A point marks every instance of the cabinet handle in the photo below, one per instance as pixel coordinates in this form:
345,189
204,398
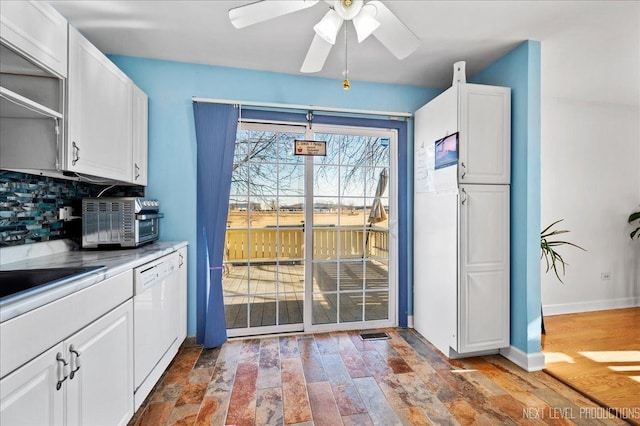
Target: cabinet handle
464,200
181,260
76,153
62,370
137,171
464,172
74,360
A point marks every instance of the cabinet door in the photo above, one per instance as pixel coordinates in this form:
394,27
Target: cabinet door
140,136
36,30
99,133
29,395
485,134
483,293
100,391
182,309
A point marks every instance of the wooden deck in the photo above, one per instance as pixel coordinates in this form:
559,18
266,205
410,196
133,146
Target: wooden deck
275,293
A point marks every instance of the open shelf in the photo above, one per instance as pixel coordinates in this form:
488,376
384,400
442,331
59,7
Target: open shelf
13,105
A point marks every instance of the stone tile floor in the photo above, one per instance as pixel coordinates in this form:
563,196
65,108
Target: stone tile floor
338,379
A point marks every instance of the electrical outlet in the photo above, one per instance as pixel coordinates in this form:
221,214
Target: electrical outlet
605,276
64,213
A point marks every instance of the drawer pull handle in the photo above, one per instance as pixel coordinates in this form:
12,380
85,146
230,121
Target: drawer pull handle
74,360
62,370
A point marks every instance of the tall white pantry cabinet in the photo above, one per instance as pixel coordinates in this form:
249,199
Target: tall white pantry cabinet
461,221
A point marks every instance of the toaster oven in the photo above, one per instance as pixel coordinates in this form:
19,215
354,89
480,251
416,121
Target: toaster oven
119,222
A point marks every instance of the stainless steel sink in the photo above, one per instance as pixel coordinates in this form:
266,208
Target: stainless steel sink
23,282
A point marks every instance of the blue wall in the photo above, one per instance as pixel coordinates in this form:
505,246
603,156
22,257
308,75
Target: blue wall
172,150
520,70
172,142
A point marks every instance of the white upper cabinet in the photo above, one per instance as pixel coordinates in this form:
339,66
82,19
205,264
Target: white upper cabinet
64,106
140,136
99,118
484,126
37,31
481,115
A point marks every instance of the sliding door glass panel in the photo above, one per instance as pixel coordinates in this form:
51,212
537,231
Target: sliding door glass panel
350,226
263,278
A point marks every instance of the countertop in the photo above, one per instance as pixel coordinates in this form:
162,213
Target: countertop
116,262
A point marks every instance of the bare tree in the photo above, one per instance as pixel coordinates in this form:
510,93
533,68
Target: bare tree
265,165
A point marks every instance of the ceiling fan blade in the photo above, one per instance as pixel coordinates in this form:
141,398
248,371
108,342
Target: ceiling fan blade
260,11
392,33
316,56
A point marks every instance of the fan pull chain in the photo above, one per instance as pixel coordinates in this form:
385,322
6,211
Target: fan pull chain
346,85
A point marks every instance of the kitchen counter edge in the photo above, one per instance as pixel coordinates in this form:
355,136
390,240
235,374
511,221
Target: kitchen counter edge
116,262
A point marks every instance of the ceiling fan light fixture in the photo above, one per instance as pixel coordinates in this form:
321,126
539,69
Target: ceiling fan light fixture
365,22
329,26
347,9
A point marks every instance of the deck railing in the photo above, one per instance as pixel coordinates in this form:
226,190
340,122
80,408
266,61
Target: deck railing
271,244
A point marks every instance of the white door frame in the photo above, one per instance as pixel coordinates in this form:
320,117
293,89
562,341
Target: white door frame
307,325
392,134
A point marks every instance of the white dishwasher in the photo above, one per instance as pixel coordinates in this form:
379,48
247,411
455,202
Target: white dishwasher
155,320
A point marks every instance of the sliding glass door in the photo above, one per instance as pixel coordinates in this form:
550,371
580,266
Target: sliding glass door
308,243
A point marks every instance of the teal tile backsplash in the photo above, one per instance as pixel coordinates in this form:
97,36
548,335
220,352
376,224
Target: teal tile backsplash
29,206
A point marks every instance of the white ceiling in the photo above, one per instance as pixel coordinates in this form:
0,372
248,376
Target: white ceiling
590,49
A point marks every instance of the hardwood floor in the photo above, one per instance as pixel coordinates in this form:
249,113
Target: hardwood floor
336,378
598,353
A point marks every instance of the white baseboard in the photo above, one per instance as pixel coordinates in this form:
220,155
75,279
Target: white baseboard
595,305
410,321
529,362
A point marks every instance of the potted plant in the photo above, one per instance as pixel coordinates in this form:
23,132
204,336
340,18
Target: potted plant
548,247
635,217
552,258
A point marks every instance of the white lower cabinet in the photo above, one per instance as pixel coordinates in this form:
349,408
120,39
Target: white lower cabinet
483,287
86,379
28,396
100,387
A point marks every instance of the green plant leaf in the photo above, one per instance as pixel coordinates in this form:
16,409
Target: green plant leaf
560,243
632,218
553,259
550,226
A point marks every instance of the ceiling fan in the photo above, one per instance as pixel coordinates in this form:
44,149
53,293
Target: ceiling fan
372,17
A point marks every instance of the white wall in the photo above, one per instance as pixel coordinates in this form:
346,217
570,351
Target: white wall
590,176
